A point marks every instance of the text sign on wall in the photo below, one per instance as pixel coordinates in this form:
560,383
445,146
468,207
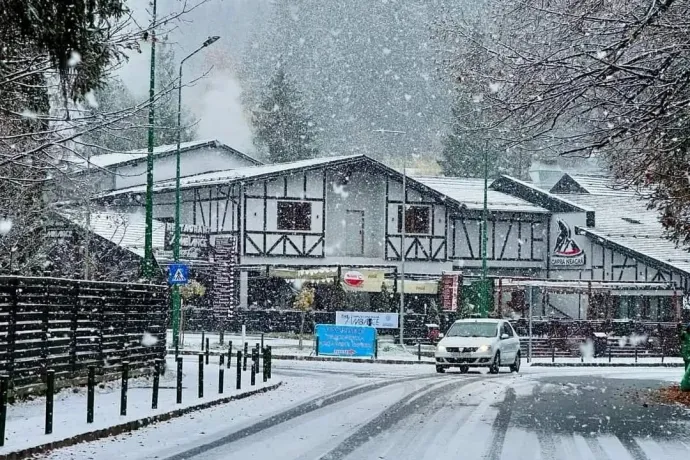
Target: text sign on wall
346,340
449,291
357,318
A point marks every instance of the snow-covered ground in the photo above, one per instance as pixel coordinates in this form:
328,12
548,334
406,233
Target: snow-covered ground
330,410
25,420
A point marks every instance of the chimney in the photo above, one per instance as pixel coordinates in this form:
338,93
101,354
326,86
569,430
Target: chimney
545,173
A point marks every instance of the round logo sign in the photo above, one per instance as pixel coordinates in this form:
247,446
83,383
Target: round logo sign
354,279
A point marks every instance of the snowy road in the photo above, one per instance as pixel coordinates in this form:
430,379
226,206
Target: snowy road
355,411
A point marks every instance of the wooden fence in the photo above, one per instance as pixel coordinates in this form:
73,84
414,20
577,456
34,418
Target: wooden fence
68,325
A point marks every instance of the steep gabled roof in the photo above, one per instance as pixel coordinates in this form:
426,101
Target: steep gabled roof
470,192
110,160
588,184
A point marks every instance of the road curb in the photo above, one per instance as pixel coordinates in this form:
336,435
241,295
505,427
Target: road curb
315,358
130,426
606,364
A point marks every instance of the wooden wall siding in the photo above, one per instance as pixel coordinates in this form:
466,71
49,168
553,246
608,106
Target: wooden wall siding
422,247
510,240
68,325
261,235
216,208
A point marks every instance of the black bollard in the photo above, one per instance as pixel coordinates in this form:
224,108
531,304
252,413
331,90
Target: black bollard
239,369
221,371
4,384
50,392
553,353
257,363
376,348
179,380
419,351
91,384
264,372
201,375
244,362
156,383
221,336
316,344
123,389
177,350
203,335
270,360
222,360
610,349
662,350
229,354
253,374
207,350
262,340
636,353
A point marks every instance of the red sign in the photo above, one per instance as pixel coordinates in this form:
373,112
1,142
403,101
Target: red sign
354,279
449,291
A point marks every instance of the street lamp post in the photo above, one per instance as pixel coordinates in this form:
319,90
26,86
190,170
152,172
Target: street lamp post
147,265
402,236
176,244
485,214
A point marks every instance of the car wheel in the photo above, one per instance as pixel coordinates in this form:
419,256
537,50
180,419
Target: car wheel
440,369
515,367
496,364
464,369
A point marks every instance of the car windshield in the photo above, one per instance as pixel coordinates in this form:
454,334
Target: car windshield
478,329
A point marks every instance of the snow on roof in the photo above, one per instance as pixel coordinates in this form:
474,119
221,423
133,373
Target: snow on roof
470,192
232,175
599,185
124,229
625,220
113,159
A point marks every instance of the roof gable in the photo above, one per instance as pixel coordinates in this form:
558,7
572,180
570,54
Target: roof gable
567,184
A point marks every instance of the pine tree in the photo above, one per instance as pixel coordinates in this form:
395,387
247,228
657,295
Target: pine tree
282,125
463,153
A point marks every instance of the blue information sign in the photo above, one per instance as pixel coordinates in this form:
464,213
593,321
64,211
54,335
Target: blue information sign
346,340
178,274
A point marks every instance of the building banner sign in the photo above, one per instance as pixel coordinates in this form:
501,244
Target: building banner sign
566,251
364,318
449,291
363,280
346,340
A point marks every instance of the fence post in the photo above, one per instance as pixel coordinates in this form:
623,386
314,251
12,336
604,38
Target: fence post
220,379
123,390
229,353
264,373
376,348
253,370
90,392
316,343
73,328
12,329
419,351
203,335
262,340
635,353
663,350
207,350
244,362
610,350
50,391
221,335
179,380
4,385
44,337
156,383
201,375
239,369
270,360
257,364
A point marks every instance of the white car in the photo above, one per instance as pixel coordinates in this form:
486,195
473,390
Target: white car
482,342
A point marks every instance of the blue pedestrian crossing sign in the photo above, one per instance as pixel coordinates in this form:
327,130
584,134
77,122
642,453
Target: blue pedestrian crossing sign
178,274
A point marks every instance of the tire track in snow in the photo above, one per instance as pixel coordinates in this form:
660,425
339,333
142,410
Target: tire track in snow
500,425
302,409
391,417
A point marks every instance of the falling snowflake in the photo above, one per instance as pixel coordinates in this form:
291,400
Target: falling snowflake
74,59
148,340
90,99
5,226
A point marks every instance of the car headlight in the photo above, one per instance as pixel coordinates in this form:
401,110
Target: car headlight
484,348
441,349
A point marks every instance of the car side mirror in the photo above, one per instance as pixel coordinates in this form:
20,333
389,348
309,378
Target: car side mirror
504,336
